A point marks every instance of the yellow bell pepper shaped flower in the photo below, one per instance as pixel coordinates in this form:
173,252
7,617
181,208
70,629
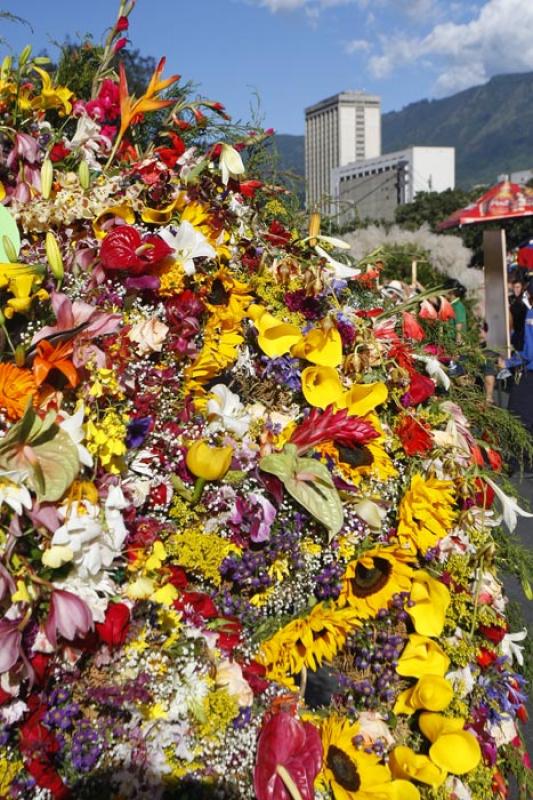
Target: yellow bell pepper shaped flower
320,347
364,397
405,763
209,463
422,656
432,692
431,600
457,752
321,386
435,725
275,338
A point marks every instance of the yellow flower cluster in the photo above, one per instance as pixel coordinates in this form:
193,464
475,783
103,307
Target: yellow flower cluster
426,513
200,553
8,772
105,384
218,711
106,439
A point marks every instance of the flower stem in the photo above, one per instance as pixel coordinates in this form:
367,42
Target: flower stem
198,491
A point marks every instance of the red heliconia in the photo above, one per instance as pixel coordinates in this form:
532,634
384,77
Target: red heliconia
332,426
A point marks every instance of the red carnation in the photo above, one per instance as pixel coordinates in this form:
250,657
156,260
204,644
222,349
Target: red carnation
124,249
494,633
114,629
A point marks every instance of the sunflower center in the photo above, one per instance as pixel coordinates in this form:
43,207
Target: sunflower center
354,456
343,768
367,580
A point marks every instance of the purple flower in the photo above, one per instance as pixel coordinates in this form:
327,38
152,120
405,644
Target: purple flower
254,515
10,644
138,430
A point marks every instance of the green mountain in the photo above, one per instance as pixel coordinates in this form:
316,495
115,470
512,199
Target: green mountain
491,127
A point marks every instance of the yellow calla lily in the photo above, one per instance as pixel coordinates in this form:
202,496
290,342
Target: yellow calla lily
422,656
432,692
321,386
209,463
457,752
431,599
362,398
320,347
435,725
275,338
160,216
123,211
405,763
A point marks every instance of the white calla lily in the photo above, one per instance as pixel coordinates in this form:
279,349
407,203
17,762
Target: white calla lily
340,270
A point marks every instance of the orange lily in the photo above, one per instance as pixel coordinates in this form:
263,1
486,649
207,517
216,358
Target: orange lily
131,108
49,357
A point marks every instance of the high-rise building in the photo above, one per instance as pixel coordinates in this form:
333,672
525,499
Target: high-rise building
339,130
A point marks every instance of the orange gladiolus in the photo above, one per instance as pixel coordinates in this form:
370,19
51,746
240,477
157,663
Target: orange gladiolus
49,357
17,386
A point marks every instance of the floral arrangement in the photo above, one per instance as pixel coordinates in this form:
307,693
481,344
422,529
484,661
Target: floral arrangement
248,540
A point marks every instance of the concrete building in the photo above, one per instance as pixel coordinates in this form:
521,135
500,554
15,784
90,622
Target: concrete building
338,130
374,187
521,177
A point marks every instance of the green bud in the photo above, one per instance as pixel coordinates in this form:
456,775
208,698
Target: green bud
9,249
84,175
53,254
24,56
526,588
41,60
47,177
5,69
20,355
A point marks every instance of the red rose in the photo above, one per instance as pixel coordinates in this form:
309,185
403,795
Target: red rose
114,629
59,152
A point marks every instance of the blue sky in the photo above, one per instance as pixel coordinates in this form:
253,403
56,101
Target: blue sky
292,53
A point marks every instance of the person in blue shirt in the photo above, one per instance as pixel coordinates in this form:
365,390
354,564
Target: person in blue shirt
521,396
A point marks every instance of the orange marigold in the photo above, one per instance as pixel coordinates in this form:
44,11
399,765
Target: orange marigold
16,387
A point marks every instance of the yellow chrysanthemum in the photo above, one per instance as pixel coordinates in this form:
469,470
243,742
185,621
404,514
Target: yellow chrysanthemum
371,580
352,774
426,513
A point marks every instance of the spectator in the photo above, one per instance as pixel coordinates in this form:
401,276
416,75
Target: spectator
518,308
521,397
455,292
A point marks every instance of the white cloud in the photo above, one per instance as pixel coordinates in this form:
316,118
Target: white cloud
357,46
497,39
293,5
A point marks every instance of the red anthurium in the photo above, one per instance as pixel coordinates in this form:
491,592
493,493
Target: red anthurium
289,754
114,629
411,328
125,249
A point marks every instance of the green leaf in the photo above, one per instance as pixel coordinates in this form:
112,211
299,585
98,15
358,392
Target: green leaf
310,483
41,450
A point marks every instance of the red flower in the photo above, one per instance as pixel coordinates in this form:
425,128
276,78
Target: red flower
59,152
124,249
484,497
114,629
414,436
495,459
200,603
254,674
420,389
229,634
47,777
494,633
330,425
287,750
277,234
486,657
122,24
40,664
178,577
411,328
120,44
170,155
249,188
446,311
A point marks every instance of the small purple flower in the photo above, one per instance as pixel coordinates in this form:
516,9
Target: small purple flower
138,430
254,515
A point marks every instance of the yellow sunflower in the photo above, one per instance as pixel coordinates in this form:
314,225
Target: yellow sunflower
426,513
351,774
371,580
306,642
355,464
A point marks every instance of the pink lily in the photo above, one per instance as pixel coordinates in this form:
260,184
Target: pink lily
7,584
68,615
25,147
70,315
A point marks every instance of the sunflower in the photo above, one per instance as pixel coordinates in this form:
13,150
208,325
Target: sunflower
352,774
307,642
426,513
371,580
356,463
17,386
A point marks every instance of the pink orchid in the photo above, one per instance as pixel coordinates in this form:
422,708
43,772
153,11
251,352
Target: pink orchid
10,644
68,615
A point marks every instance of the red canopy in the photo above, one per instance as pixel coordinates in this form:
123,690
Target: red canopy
503,201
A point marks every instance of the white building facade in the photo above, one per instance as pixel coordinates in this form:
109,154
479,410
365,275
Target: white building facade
338,130
374,187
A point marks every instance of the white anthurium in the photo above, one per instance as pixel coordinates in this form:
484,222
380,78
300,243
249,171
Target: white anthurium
73,426
435,371
188,244
225,410
370,512
340,270
511,649
510,508
230,162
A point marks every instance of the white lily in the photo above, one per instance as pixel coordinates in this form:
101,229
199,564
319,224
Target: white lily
435,371
225,410
73,425
340,270
188,244
510,508
512,650
230,162
332,240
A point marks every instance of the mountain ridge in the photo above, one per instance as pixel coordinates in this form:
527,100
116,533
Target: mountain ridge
490,125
